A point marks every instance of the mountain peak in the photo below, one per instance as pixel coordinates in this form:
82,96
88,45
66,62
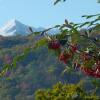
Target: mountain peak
13,22
14,27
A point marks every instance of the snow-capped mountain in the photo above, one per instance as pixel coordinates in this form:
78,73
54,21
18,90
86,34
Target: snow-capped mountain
14,27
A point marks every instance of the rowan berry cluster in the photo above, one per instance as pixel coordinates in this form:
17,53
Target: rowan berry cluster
64,57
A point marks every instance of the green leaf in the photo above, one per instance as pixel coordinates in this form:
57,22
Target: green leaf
36,33
98,1
66,21
89,63
40,43
6,67
57,26
75,36
56,2
14,63
88,16
61,27
86,23
27,50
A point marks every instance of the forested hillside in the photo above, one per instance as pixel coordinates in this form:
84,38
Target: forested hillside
39,69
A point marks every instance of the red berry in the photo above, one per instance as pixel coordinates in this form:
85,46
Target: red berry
88,71
73,48
97,75
91,72
55,44
64,57
64,61
97,71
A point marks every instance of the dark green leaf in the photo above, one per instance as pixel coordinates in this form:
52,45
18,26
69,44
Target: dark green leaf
86,23
36,33
56,2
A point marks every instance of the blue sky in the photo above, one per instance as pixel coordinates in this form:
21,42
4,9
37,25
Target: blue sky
43,13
